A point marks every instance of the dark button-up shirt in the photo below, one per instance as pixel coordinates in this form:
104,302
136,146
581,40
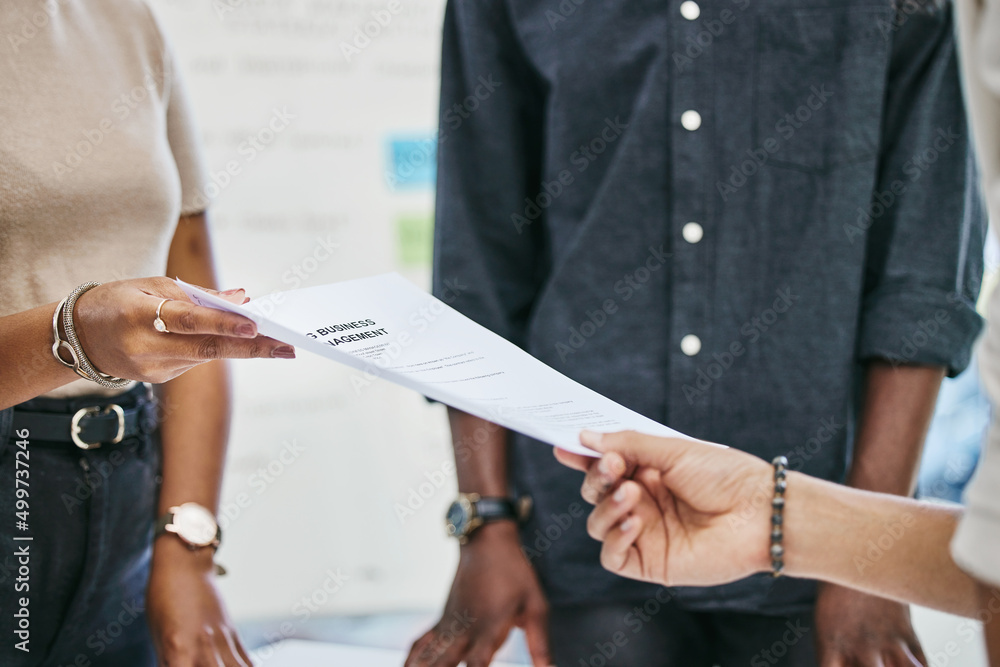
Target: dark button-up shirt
712,220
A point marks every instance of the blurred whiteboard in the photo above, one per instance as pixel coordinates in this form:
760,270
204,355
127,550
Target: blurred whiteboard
333,499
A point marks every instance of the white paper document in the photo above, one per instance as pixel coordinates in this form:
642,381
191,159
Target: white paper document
387,328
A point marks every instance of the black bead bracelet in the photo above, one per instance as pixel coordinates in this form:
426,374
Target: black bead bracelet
780,464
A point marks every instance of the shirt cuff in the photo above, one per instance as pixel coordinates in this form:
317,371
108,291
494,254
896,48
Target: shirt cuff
931,328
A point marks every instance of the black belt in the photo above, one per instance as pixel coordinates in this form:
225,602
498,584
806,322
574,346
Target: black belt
104,422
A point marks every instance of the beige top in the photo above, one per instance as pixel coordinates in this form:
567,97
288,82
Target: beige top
98,155
976,546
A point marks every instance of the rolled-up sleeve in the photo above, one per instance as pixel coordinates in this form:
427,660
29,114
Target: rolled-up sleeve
924,253
488,264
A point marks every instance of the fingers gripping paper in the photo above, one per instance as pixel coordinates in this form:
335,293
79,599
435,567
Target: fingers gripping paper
387,328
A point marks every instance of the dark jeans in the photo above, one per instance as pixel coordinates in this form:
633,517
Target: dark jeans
650,633
91,516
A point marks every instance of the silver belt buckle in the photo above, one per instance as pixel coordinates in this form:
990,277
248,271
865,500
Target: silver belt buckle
76,429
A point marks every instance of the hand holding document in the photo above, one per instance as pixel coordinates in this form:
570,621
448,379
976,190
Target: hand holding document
387,328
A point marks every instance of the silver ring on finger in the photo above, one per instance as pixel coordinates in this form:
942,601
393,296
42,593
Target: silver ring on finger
158,323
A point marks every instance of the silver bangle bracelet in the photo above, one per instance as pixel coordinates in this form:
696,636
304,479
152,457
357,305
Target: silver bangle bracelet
80,362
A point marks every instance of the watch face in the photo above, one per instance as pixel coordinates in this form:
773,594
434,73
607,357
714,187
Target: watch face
195,524
457,519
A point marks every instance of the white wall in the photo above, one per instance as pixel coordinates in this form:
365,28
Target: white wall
319,183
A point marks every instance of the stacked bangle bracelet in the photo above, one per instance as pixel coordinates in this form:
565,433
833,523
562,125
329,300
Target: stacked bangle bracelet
80,363
780,464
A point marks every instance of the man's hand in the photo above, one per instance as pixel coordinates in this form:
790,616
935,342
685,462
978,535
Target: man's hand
861,630
494,590
692,514
188,620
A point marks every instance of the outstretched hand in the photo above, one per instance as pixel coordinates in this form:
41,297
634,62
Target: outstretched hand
676,511
115,325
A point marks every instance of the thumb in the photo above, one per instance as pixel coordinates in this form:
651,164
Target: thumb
645,450
236,296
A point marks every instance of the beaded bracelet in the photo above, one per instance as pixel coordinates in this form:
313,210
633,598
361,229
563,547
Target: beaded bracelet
780,464
80,362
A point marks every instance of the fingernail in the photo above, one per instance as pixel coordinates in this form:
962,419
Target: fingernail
247,330
626,525
232,292
283,352
619,495
618,466
246,300
602,467
590,439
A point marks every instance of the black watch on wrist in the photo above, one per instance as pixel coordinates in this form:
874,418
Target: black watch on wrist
471,511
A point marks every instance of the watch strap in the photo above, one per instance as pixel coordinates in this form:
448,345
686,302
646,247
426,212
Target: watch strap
496,509
162,523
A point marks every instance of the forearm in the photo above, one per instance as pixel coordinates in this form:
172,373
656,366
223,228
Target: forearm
881,544
195,432
27,367
480,454
481,467
898,407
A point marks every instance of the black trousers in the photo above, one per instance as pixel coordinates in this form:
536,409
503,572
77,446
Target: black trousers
649,633
85,570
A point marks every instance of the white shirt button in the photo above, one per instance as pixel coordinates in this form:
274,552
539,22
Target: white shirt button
692,232
690,10
690,345
691,120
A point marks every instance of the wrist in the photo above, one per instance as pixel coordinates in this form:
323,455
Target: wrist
170,553
66,339
492,534
81,318
818,524
763,528
496,543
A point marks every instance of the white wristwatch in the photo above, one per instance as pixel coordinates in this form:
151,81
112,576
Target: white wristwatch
194,524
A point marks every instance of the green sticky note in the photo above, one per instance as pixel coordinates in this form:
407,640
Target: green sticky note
415,239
